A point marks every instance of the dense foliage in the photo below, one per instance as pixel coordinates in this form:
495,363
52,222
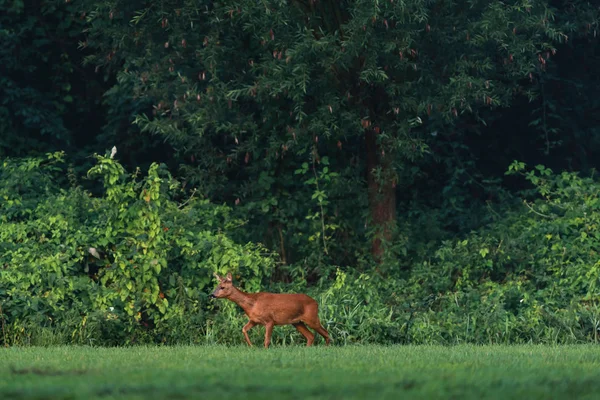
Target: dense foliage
250,92
355,150
102,267
135,265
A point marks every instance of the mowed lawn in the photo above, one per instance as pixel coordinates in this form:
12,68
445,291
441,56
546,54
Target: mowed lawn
354,372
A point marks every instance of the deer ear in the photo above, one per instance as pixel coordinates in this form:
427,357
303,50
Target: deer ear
229,277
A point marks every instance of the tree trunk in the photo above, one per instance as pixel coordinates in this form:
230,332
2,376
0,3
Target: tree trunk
382,194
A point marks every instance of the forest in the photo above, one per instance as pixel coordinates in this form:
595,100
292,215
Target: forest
425,169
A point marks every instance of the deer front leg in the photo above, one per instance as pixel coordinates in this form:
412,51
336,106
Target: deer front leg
268,332
245,330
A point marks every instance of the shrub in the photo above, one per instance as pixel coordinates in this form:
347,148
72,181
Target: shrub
133,264
532,276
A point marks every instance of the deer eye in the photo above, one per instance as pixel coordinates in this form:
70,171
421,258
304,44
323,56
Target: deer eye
222,287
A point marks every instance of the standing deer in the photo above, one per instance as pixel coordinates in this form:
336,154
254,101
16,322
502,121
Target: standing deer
270,309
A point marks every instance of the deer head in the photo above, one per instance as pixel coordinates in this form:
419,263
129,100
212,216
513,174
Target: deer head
224,288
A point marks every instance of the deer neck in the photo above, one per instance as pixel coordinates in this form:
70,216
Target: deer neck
242,299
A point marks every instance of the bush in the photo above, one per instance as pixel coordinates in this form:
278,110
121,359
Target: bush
132,265
532,276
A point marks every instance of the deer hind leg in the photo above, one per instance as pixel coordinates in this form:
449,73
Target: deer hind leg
245,330
310,337
313,322
316,325
311,318
268,333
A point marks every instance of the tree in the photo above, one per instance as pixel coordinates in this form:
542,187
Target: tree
250,91
45,93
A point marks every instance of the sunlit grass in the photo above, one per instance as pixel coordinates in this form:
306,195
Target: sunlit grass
374,372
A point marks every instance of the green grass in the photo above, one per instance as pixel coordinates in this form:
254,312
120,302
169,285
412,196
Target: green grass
374,372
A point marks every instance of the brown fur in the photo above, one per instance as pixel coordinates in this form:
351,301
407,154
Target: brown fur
270,309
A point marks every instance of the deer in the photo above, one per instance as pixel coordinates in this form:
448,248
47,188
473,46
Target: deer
270,309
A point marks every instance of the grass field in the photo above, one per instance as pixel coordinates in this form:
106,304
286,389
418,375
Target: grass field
374,372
